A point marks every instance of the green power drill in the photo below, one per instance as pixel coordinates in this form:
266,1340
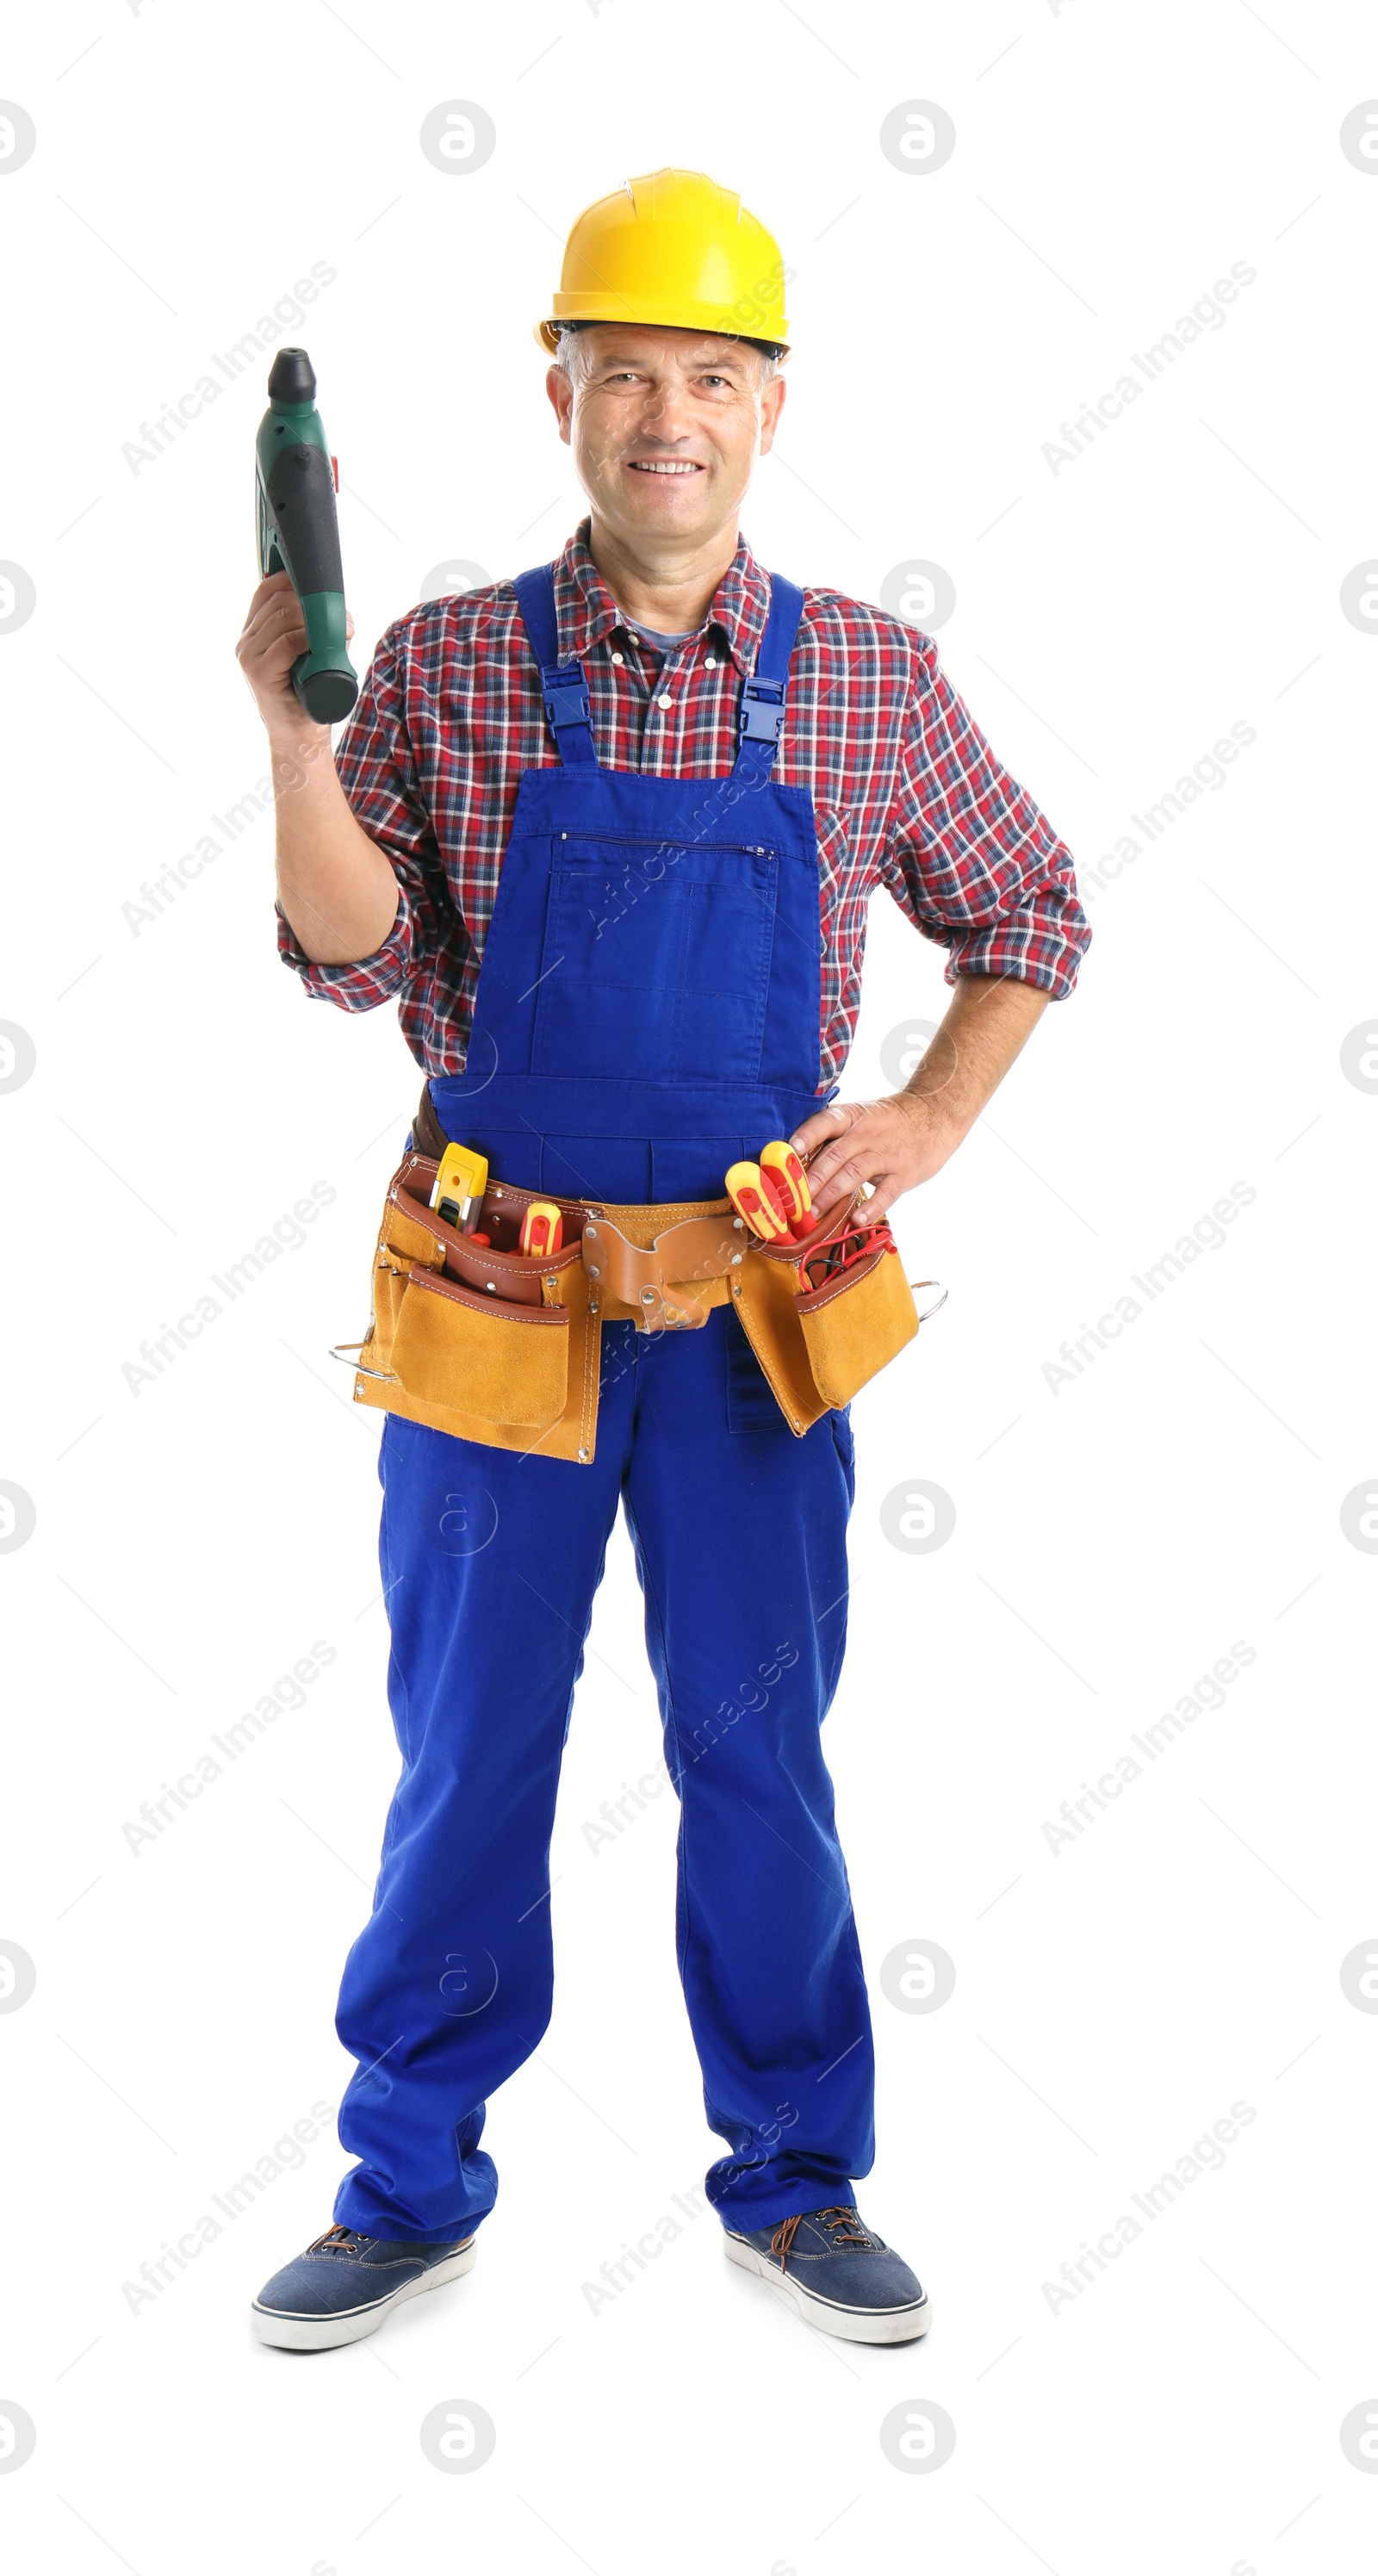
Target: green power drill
298,533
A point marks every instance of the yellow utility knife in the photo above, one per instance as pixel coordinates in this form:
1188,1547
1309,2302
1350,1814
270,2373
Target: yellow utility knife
459,1187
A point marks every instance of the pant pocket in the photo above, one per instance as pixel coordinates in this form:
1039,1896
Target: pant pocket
751,1403
841,1424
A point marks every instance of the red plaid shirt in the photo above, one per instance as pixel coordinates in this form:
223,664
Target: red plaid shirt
906,792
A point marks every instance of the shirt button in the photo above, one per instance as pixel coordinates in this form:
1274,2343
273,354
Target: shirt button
666,700
710,661
617,658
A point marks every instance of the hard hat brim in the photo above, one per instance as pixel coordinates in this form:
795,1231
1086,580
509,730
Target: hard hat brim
711,324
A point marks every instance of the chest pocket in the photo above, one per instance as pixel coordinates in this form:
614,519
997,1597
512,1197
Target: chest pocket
656,961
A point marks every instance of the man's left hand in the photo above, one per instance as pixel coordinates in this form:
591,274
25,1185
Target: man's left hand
894,1143
898,1142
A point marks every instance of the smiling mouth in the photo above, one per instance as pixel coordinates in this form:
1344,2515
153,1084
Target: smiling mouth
652,465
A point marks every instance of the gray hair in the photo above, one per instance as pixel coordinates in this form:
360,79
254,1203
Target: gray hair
570,333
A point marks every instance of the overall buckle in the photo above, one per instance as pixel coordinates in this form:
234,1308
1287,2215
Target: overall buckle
566,697
762,711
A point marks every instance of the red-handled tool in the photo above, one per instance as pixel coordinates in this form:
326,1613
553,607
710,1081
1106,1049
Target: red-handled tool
778,1192
542,1230
745,1186
784,1177
858,1244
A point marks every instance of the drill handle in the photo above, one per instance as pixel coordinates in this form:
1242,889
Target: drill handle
298,534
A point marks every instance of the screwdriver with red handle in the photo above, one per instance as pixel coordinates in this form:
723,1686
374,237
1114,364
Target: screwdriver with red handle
542,1230
772,1196
745,1185
783,1176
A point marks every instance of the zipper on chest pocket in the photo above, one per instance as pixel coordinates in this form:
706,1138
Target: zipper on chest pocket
619,892
643,841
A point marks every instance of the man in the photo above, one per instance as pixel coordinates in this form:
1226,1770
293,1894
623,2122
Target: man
609,836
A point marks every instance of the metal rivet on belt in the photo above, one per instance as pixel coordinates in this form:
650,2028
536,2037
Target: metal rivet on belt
648,1296
583,1457
590,1230
736,1257
593,1270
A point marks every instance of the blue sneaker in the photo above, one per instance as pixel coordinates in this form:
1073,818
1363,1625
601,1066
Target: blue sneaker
344,2285
839,2276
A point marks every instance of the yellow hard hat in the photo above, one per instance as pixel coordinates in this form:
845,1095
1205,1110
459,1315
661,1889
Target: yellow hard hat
673,248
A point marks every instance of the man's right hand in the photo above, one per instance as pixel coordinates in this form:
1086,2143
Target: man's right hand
274,637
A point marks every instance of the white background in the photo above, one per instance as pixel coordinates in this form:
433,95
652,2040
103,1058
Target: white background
1113,1538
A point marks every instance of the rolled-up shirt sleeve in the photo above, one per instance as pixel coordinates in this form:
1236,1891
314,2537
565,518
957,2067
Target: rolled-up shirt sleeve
376,765
970,856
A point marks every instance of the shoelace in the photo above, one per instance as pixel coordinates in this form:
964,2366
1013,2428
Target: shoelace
338,2240
841,2223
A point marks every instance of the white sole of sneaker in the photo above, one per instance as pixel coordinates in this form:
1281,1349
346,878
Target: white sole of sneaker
856,2325
293,2333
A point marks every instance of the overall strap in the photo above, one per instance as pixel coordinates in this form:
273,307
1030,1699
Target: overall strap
761,721
563,686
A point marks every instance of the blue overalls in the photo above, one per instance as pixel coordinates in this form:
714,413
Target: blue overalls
647,1014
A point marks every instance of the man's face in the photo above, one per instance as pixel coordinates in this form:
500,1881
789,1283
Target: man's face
665,427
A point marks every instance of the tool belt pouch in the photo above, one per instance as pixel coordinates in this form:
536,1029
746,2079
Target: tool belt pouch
819,1338
855,1325
462,1352
482,1341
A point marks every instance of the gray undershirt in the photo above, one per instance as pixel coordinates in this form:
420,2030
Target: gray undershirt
654,636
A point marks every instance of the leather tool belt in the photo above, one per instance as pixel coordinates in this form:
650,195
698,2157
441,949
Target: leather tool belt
501,1347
